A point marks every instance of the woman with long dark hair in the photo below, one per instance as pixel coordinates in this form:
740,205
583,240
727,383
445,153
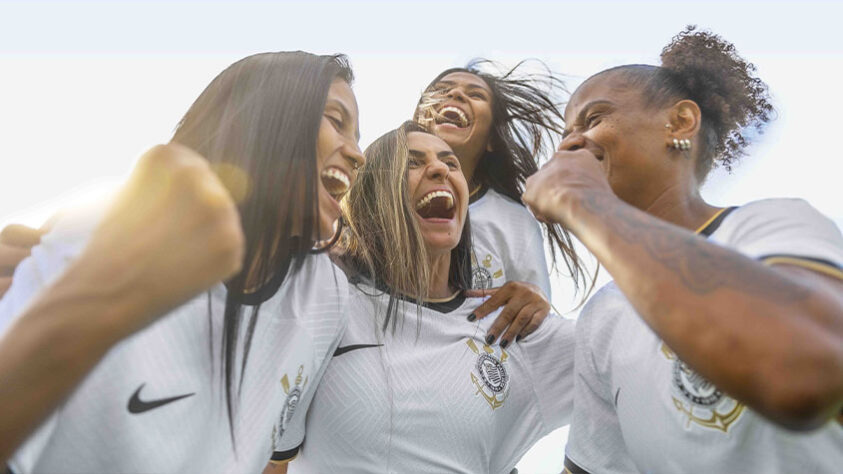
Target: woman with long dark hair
719,345
498,124
197,388
413,386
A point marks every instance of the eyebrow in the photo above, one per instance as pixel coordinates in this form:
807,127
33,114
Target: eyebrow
468,86
347,114
439,155
584,111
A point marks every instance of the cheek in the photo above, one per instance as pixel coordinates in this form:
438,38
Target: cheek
413,179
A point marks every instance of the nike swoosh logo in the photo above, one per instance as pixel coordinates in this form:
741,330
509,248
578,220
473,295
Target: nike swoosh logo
137,406
342,350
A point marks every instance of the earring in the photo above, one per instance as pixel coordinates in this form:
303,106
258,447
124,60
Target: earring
683,144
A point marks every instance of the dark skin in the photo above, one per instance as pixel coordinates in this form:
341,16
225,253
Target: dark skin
769,335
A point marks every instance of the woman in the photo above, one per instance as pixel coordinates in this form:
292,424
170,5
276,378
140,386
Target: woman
498,124
199,389
413,386
750,306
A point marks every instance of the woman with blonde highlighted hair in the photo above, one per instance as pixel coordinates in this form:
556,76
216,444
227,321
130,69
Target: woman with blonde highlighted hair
413,385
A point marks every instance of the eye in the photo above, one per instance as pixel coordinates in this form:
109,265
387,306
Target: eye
593,120
336,121
477,95
452,163
414,162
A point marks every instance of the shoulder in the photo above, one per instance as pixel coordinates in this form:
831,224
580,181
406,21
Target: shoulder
602,314
778,214
781,226
492,203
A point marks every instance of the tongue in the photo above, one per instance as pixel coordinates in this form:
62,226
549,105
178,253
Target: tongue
437,208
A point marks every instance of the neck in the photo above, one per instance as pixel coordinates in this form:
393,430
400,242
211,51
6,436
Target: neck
440,267
682,207
469,160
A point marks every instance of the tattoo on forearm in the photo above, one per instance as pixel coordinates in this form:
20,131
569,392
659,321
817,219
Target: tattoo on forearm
701,266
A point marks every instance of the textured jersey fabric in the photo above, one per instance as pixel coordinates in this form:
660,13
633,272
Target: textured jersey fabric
155,402
508,244
431,396
639,408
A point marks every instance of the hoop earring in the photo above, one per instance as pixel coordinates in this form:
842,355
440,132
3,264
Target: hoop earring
332,242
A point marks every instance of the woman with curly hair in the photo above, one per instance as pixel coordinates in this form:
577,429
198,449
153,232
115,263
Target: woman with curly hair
498,123
721,336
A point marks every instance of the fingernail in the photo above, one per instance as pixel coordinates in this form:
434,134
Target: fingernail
471,317
504,342
490,338
518,338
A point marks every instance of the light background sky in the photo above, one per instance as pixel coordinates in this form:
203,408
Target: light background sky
85,87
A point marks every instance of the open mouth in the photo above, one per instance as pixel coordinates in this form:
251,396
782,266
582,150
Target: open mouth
452,115
336,182
436,205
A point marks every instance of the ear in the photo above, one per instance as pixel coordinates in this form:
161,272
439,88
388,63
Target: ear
685,119
489,146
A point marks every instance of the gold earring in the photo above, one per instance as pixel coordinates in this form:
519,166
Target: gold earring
683,144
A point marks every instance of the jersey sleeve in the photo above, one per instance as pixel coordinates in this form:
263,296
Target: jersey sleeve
47,261
550,358
595,441
286,446
530,264
789,231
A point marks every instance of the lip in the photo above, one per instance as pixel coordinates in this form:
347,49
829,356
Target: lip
340,174
462,109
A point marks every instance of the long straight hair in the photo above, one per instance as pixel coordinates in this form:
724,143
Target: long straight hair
384,241
257,123
527,117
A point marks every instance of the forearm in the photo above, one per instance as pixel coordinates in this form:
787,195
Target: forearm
61,336
756,334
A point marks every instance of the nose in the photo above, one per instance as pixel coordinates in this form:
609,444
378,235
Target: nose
437,171
351,152
457,94
574,141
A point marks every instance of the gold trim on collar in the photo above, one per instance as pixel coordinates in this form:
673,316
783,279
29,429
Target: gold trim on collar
443,300
709,221
475,190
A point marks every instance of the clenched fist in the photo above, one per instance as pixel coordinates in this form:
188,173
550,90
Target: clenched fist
172,232
563,182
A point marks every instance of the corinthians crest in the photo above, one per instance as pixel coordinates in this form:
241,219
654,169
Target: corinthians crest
489,375
482,275
290,403
698,399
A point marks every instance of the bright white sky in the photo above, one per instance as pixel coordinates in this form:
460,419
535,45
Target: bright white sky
85,87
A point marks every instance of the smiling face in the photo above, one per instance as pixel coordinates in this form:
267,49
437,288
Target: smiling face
338,154
610,119
460,110
438,191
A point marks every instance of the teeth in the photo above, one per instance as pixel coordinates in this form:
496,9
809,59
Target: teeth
460,113
338,175
435,194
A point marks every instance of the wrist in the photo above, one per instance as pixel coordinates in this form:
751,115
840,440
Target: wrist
99,293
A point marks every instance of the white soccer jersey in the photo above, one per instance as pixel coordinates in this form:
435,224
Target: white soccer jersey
155,403
432,397
508,243
638,408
